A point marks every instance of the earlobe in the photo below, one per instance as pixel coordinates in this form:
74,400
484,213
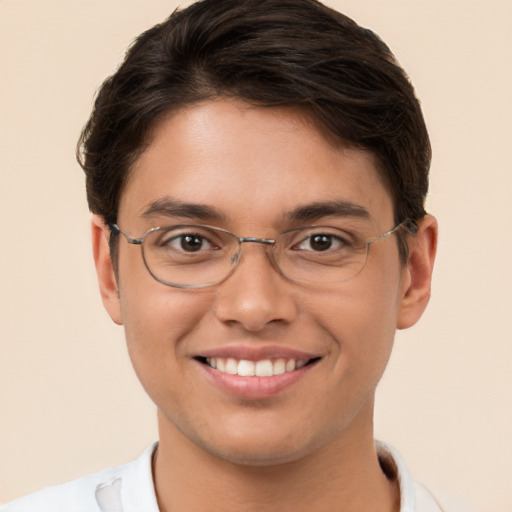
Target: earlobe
105,270
417,274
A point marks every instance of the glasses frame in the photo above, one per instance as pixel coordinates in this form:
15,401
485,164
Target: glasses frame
408,224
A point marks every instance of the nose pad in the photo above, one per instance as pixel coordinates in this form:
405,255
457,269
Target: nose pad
235,259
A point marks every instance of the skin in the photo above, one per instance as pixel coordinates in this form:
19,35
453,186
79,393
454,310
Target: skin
309,447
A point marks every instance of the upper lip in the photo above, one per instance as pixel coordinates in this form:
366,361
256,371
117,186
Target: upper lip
252,353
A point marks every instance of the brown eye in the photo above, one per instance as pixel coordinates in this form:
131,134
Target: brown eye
321,242
191,243
187,242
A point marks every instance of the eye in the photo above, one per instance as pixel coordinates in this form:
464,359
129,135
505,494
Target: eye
187,242
321,242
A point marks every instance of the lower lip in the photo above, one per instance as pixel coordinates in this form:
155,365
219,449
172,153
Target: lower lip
256,388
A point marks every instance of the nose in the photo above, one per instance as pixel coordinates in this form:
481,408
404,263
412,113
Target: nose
256,294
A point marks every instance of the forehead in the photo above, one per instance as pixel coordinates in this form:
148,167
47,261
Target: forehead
253,164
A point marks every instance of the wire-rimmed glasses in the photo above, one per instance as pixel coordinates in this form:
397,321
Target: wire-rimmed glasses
198,256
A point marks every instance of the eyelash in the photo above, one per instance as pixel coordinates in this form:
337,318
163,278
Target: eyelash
333,239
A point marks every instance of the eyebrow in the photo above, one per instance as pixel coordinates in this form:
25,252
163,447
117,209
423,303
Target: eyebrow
169,207
337,208
166,206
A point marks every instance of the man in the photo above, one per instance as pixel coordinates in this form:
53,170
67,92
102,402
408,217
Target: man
257,172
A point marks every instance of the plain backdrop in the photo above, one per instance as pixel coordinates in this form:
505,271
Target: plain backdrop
69,401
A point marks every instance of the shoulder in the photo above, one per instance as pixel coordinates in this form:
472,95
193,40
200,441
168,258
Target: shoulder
75,496
133,482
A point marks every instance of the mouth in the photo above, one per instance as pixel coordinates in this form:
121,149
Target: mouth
252,372
259,368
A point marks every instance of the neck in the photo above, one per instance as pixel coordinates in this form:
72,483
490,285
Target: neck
344,476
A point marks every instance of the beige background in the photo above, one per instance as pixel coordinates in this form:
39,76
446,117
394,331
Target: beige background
69,402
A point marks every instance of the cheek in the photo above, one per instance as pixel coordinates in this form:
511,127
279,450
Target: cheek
361,319
163,318
155,316
157,321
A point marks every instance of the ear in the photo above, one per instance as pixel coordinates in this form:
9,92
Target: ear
417,274
105,269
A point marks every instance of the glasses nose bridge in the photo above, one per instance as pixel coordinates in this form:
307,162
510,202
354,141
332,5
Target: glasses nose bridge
235,259
251,239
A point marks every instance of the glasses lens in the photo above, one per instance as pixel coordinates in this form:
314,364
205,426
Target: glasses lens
194,256
321,254
190,255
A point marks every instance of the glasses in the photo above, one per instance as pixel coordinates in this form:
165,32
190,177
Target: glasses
197,256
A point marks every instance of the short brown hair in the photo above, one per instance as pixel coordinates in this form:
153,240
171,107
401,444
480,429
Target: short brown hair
270,53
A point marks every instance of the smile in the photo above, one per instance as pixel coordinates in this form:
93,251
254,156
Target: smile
262,368
255,374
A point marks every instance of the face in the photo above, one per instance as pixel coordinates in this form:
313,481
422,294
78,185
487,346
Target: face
249,170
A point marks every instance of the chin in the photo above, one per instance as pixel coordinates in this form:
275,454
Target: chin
262,456
259,448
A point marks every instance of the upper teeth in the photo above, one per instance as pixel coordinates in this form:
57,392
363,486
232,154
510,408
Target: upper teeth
263,368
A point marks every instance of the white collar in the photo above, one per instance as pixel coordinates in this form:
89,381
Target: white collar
134,485
413,496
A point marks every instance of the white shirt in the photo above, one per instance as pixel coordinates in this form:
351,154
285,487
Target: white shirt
130,488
